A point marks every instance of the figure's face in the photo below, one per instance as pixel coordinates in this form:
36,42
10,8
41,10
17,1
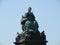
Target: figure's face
29,9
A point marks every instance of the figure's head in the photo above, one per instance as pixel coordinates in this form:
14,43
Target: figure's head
29,9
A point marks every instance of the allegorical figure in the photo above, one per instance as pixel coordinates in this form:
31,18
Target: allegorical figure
28,21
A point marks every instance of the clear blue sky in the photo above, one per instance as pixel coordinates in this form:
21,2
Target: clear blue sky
47,13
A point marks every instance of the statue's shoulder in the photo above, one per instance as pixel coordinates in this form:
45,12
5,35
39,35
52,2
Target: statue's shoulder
26,15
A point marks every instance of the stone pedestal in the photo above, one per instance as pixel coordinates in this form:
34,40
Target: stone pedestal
31,38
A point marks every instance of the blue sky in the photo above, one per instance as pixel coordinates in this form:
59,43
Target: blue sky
47,13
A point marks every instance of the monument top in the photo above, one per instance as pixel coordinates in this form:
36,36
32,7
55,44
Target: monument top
30,34
28,21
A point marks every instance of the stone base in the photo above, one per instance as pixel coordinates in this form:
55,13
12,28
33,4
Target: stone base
31,38
31,42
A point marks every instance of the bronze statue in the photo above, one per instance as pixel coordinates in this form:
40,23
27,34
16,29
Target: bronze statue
28,21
